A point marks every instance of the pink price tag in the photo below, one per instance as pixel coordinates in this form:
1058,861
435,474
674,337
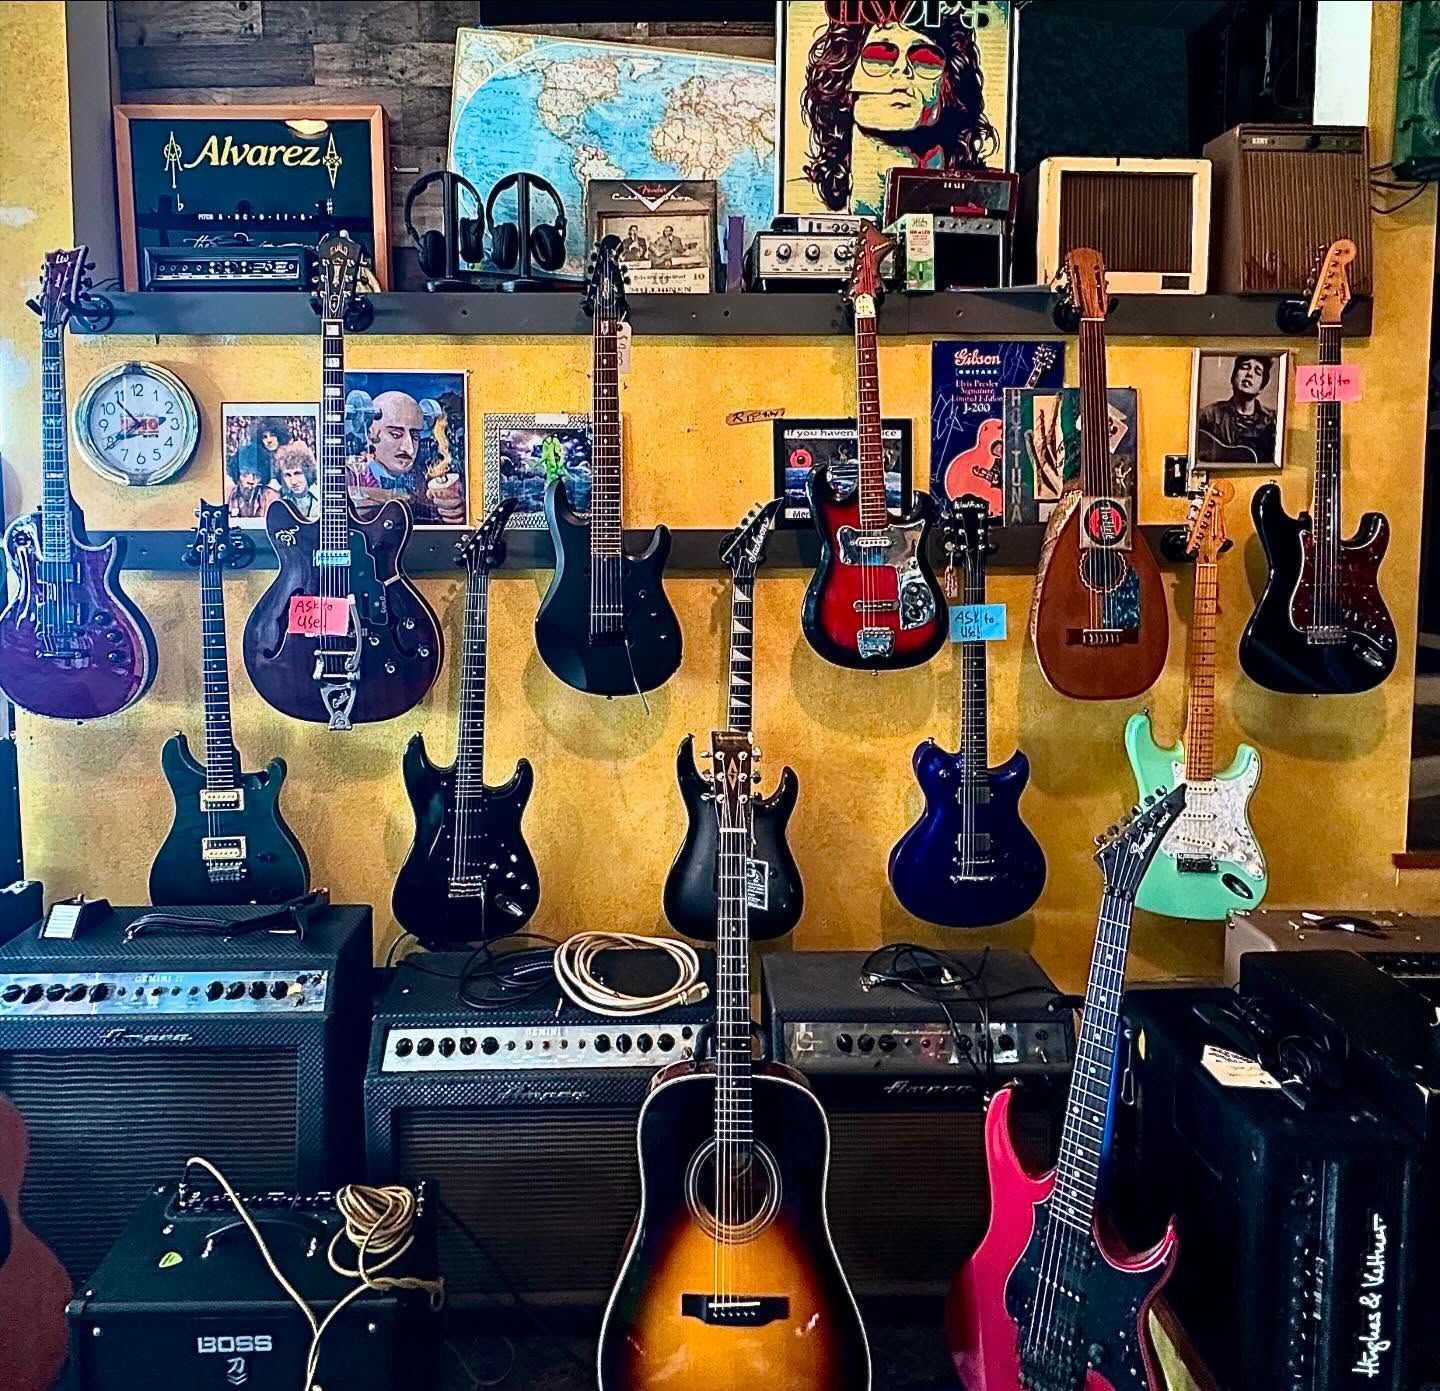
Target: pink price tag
313,617
1328,381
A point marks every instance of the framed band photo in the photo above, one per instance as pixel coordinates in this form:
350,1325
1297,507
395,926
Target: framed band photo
1237,408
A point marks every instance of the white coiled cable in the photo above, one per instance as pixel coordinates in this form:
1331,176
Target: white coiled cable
574,970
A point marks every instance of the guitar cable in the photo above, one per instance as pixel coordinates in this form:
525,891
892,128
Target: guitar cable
576,959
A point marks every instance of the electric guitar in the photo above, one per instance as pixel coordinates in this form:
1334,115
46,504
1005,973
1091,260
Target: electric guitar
72,645
469,876
229,842
342,637
873,601
1321,626
1098,621
776,895
1048,1302
1210,862
985,459
730,1279
605,626
970,860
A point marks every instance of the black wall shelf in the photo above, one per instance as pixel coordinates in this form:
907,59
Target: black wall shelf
1023,313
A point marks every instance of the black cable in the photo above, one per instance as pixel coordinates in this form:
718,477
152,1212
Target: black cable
491,979
1405,203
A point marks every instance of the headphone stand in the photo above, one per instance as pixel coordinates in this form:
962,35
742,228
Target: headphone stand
454,278
524,281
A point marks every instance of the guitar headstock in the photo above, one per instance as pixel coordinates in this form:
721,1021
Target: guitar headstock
338,273
64,278
743,551
1330,290
967,531
1125,850
214,543
484,548
607,282
867,284
1205,534
731,775
1084,281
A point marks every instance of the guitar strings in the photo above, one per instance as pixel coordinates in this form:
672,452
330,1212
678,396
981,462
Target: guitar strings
470,750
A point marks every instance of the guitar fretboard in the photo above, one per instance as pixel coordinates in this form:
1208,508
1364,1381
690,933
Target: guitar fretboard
1097,470
605,470
222,762
334,513
733,1125
874,515
55,530
470,752
1325,511
742,651
1200,717
974,685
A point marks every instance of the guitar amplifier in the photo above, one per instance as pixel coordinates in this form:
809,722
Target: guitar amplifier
524,1118
1401,944
1148,218
904,1088
1299,1225
1282,195
127,1057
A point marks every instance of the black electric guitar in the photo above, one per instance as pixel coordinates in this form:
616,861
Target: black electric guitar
605,626
229,843
342,636
469,875
731,1279
776,893
1321,626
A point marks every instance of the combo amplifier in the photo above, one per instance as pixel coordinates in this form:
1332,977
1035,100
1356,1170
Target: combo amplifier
1282,195
1401,944
185,1302
228,268
1298,1213
904,1083
524,1118
127,1056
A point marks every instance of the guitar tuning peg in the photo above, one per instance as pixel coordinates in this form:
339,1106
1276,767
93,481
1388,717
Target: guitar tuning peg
756,755
1112,831
1159,791
755,777
1135,811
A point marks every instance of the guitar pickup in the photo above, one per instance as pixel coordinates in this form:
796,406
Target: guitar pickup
1325,635
1102,637
222,799
332,558
735,1311
1196,864
222,850
877,606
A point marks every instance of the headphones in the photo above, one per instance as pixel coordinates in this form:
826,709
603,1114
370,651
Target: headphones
547,239
431,245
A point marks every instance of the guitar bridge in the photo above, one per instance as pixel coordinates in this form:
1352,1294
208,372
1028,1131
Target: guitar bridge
1102,637
735,1311
338,672
874,642
1325,635
222,799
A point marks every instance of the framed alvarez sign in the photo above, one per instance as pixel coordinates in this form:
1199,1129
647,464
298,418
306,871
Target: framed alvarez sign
281,176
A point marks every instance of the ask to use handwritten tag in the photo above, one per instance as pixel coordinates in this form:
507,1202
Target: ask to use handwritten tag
1236,1070
1328,381
314,617
977,622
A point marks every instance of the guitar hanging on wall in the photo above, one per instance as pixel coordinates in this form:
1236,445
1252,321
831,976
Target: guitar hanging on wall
1321,626
1209,862
228,843
342,636
873,602
469,876
970,860
1098,621
72,645
606,626
776,895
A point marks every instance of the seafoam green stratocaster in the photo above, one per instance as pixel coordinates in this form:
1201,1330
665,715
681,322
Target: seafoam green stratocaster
1209,861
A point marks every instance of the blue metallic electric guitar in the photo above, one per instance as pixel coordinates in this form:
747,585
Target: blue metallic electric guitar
969,861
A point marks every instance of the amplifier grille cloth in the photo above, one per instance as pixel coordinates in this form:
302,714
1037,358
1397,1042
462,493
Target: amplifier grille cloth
1138,222
105,1128
1296,203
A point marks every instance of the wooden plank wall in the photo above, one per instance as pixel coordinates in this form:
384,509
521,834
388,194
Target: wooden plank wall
398,53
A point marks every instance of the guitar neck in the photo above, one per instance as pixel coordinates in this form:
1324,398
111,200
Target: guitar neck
742,652
974,686
55,528
605,464
334,499
874,515
733,1127
1325,513
222,762
1200,716
470,750
1097,469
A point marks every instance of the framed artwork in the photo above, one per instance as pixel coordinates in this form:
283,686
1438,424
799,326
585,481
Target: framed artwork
1237,408
666,230
1042,447
523,452
867,86
269,450
405,438
802,444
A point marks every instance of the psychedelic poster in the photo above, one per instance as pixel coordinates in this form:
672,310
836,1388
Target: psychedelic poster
1042,447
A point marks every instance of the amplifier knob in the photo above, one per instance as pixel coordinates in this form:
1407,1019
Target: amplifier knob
489,1045
666,1042
214,990
844,251
279,989
11,993
76,993
425,1047
55,992
622,1043
866,1043
844,1042
963,1043
1006,1044
34,993
644,1042
99,993
783,252
447,1047
887,1043
258,990
602,1043
468,1045
403,1047
812,252
235,990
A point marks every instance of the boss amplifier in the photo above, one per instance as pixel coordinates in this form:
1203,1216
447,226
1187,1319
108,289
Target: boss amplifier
524,1118
185,1302
904,1083
1402,944
127,1056
1299,1223
228,267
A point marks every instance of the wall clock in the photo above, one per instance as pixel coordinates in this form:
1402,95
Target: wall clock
137,424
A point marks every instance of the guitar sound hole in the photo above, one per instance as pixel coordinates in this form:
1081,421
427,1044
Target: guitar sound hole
1102,570
747,1197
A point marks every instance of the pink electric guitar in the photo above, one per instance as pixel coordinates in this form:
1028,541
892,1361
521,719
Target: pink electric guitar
1049,1302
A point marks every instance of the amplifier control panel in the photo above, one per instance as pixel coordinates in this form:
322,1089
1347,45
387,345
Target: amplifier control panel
869,1046
524,1048
161,992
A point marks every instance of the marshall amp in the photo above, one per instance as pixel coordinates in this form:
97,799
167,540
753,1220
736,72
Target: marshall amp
128,1056
904,1083
524,1117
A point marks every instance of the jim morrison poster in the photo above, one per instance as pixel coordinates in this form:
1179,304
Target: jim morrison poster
869,85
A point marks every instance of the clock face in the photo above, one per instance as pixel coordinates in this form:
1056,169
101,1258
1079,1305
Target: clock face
137,424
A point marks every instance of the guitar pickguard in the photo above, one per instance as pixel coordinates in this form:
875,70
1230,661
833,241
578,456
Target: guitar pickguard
896,548
1214,825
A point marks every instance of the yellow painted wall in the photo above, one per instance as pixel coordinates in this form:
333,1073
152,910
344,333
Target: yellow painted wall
605,819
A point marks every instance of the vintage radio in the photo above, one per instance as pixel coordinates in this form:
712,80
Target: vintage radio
904,1083
1401,944
1282,195
128,1056
524,1118
1148,218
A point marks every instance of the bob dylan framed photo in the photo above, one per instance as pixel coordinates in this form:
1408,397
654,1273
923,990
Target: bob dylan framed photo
666,229
269,450
1237,408
800,445
524,452
183,172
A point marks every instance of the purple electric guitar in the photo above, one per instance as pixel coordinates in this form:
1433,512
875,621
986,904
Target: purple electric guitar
72,646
